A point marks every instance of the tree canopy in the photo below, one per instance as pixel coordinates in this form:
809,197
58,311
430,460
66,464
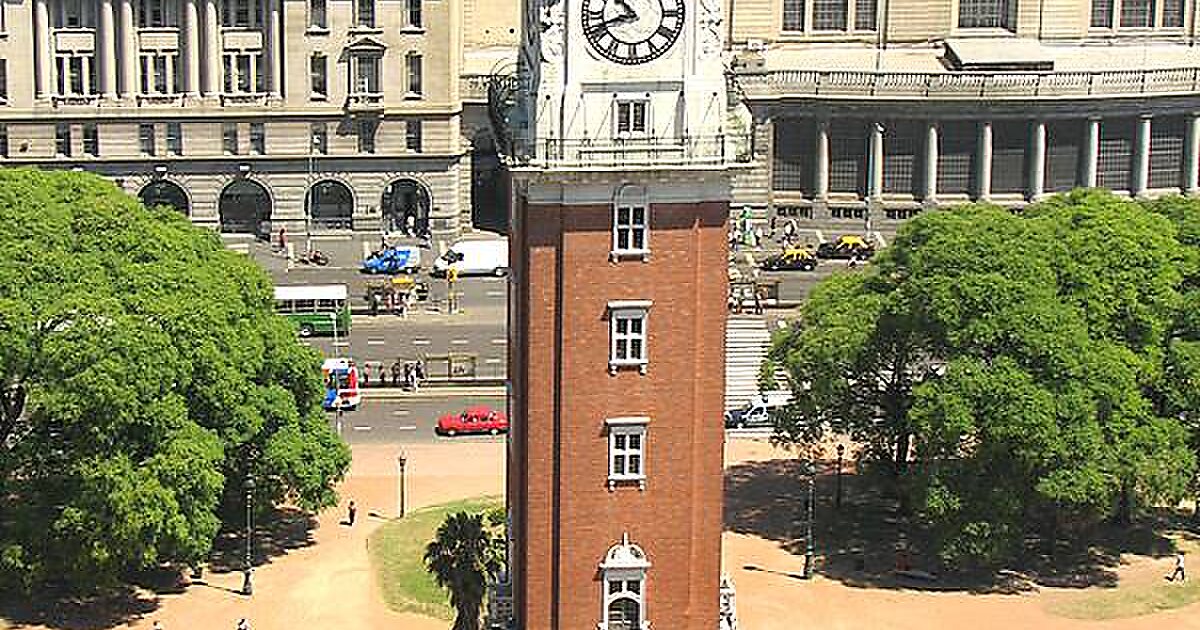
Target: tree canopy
145,375
1012,371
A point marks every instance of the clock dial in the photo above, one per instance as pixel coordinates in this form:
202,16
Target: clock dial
632,31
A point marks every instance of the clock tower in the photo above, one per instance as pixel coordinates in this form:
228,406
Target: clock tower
620,163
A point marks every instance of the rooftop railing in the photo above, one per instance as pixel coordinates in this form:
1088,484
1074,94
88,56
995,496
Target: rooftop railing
967,85
635,152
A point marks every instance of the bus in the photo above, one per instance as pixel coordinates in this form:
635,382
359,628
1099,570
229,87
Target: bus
341,384
320,309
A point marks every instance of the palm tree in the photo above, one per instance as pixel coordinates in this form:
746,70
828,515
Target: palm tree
464,557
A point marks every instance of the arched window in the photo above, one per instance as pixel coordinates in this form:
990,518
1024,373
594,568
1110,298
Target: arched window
164,193
243,207
331,205
623,574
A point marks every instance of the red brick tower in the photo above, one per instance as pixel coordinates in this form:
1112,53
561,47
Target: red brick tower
617,317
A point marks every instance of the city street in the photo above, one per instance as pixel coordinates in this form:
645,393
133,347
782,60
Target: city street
387,338
410,419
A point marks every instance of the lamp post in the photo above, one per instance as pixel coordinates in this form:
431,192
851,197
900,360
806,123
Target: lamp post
809,470
308,195
837,500
247,585
401,462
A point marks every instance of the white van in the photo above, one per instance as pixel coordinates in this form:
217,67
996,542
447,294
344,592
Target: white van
474,257
758,411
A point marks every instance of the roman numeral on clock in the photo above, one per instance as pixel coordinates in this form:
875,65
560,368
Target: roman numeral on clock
665,32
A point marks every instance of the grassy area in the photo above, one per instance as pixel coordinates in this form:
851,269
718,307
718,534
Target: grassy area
1133,600
397,555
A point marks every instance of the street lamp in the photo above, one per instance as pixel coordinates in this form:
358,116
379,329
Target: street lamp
401,461
314,142
837,501
247,586
809,470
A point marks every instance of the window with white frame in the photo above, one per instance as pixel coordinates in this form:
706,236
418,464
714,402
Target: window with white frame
91,139
364,13
623,583
366,74
630,225
320,138
146,139
626,450
75,14
245,72
987,14
241,13
62,139
174,138
156,14
822,17
413,135
632,117
1137,14
318,77
627,321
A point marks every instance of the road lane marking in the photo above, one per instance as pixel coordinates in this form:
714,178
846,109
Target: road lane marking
341,344
496,293
494,361
376,342
500,341
407,427
459,342
361,428
421,342
494,280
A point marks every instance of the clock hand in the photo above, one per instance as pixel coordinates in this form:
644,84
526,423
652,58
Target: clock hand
620,19
628,10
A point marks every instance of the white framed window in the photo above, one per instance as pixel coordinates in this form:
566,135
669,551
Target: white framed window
627,450
627,326
413,64
630,229
1137,14
318,77
364,14
318,19
366,76
623,587
413,14
632,118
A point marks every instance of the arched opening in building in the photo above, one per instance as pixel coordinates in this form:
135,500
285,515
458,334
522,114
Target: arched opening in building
161,192
624,614
489,185
244,207
330,205
405,206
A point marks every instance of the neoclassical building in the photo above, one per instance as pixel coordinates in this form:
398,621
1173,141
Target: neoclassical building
871,110
250,115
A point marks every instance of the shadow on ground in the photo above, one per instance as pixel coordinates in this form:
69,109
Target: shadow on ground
284,530
864,541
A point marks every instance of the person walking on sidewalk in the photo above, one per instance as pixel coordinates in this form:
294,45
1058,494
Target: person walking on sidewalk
243,624
1179,571
418,375
351,512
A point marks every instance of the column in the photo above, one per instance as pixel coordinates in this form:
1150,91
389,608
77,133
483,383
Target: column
191,47
1037,161
129,51
275,51
1191,156
931,161
44,60
172,80
821,155
108,51
875,162
1141,158
1091,153
983,162
212,49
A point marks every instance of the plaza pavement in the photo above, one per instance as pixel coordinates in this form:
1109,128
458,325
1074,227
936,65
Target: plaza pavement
330,585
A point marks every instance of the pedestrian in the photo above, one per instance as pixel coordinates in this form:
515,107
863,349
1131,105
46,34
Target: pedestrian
1178,569
282,239
418,374
396,371
410,225
351,512
243,624
366,376
407,375
374,304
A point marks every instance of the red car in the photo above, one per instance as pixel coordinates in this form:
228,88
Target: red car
481,419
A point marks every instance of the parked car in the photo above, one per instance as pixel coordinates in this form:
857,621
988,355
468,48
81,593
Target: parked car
393,260
847,247
791,259
758,412
479,419
474,257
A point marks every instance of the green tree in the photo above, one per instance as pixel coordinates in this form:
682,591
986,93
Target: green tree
1017,353
466,555
144,376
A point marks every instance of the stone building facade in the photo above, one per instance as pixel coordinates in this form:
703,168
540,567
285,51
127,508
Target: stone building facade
234,110
868,111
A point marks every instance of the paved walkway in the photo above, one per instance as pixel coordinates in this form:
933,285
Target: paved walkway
330,585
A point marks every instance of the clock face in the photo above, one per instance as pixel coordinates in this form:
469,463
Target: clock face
632,31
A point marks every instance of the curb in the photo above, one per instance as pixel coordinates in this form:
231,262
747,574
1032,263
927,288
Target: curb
397,393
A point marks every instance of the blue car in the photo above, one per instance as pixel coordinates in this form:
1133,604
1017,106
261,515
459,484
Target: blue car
393,260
